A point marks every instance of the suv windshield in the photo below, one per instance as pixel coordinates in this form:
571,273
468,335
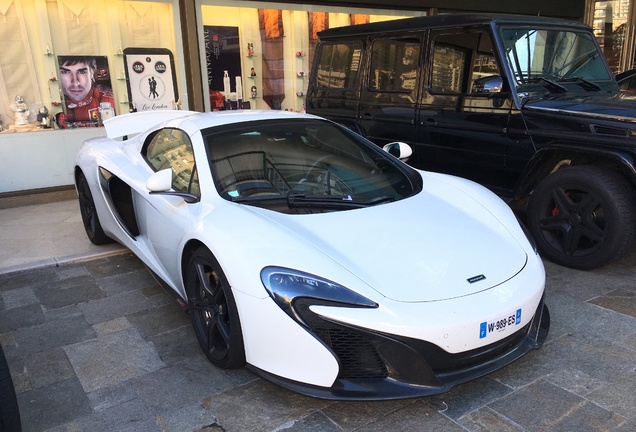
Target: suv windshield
303,166
552,57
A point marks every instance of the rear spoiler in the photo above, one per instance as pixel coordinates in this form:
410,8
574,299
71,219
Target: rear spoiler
137,122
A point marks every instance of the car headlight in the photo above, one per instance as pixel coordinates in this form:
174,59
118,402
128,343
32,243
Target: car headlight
286,286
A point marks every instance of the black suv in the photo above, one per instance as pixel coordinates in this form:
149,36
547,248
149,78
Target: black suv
523,105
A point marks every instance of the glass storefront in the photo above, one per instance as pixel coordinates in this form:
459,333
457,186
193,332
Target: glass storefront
613,24
261,58
67,57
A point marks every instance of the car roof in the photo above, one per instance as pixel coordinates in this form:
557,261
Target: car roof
441,21
220,118
134,123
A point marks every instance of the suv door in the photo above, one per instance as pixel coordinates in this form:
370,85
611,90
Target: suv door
389,95
463,113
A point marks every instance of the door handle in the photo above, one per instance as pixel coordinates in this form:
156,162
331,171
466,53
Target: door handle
366,116
430,122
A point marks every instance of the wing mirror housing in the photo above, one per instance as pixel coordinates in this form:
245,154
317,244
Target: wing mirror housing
160,183
400,150
488,84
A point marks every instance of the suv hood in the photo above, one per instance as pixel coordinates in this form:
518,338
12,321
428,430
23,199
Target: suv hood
614,106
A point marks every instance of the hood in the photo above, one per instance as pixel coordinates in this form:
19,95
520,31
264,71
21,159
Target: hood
439,244
602,106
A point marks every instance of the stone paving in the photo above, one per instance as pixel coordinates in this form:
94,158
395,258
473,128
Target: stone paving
99,346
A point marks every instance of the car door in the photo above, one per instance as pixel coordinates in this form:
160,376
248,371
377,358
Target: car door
164,219
463,121
389,95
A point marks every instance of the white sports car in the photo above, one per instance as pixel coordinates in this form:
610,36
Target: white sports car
324,263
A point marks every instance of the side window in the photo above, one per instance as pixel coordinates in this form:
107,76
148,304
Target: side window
459,59
338,65
171,148
394,65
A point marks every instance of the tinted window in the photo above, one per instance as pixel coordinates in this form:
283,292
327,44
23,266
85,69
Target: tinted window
394,65
171,148
459,59
338,65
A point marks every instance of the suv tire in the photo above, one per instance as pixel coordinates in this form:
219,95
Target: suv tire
583,216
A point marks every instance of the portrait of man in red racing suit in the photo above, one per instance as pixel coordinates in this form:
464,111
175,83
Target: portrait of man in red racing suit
82,96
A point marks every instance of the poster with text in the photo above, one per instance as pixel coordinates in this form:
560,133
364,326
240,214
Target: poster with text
151,79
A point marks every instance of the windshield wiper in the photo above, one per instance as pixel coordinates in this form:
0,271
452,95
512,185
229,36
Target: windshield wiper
551,85
297,199
588,85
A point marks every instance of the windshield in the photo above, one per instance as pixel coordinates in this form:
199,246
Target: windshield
549,57
303,166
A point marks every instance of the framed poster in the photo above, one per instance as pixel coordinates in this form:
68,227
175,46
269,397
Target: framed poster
151,79
86,89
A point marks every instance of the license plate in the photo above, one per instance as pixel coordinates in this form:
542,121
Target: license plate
497,326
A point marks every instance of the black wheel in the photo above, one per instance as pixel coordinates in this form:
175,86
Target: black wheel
213,311
9,411
92,226
583,216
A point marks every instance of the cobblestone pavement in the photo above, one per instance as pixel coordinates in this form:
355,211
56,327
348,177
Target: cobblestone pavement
99,346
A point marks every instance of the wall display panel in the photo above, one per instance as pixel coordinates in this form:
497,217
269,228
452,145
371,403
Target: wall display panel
223,57
151,79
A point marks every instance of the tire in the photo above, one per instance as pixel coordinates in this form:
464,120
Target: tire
213,311
583,217
90,219
9,411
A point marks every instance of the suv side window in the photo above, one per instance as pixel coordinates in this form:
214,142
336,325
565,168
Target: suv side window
459,59
338,65
171,148
394,65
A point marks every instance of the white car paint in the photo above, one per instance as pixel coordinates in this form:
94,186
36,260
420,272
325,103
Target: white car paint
414,257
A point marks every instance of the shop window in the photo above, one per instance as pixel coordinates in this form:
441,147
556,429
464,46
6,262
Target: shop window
339,65
171,148
394,65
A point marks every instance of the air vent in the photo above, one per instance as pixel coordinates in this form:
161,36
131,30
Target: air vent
606,130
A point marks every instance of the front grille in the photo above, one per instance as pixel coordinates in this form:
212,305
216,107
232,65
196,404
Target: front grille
358,358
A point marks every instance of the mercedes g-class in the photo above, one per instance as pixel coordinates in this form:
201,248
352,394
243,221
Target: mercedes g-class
526,106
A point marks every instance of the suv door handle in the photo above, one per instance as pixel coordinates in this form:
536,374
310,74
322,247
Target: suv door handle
430,122
366,116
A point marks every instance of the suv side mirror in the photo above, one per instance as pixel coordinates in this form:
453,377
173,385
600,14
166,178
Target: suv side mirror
488,84
400,150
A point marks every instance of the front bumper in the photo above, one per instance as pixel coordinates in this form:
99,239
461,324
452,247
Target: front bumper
377,366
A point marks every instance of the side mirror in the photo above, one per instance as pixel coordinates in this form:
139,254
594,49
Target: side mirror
160,181
400,150
488,84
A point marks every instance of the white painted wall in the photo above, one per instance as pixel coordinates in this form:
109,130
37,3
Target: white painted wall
33,160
